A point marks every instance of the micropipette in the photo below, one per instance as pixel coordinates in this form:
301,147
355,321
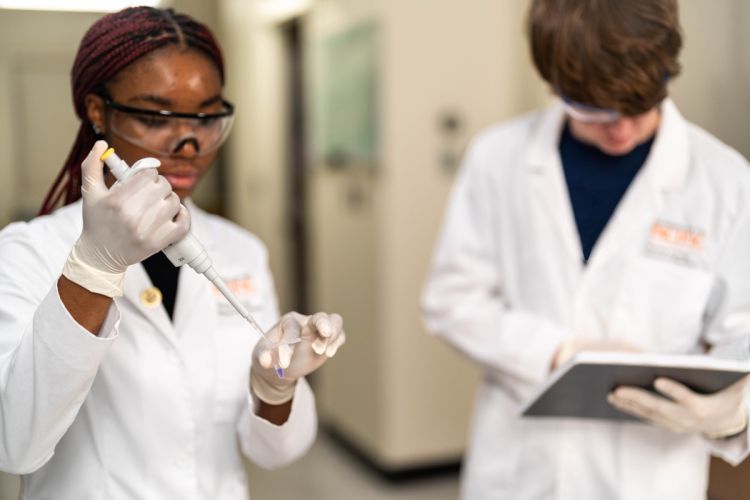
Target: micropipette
190,251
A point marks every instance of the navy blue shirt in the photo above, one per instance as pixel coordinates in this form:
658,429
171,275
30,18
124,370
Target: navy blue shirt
596,183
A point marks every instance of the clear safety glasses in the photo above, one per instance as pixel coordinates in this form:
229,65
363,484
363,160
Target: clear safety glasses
167,132
589,114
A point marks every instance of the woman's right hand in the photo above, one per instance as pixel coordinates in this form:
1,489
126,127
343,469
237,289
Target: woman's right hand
123,225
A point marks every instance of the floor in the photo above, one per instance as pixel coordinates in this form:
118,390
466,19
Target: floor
328,472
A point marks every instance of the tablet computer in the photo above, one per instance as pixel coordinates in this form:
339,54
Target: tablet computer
580,386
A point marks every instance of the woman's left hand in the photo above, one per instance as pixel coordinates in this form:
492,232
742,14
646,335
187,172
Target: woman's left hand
320,336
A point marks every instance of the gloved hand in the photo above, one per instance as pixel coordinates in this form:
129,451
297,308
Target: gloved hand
321,334
716,415
575,344
121,226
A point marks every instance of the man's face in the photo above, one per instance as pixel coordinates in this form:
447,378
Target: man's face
620,136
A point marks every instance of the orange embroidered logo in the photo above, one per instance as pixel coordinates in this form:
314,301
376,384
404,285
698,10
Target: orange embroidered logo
676,236
240,287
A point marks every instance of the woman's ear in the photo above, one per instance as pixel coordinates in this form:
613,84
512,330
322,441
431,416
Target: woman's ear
95,111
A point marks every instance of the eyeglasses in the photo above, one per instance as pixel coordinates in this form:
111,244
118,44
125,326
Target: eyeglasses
167,132
589,114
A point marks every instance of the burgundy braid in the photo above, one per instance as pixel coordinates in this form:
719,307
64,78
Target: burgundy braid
111,44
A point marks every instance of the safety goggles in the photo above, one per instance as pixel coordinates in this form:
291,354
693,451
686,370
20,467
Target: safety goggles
589,114
166,132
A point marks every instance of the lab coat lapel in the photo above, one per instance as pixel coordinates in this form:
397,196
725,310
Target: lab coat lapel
548,187
192,286
665,170
135,282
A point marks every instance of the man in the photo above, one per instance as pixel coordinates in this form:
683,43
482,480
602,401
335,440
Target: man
605,222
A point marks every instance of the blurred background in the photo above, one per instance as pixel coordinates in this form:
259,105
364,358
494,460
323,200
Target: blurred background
352,116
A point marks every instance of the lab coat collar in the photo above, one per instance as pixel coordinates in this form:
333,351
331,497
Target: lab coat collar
543,153
666,169
667,164
548,186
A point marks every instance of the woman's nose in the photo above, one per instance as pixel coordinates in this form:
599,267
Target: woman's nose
187,147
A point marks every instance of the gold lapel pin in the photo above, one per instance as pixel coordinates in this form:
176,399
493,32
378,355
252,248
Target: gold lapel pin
151,297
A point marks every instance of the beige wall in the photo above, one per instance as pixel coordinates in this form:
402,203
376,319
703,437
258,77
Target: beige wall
437,55
38,125
714,88
256,153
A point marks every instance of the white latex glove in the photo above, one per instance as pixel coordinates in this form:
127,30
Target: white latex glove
716,415
322,334
575,344
121,226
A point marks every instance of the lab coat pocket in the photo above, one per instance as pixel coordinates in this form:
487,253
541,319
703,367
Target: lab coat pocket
660,305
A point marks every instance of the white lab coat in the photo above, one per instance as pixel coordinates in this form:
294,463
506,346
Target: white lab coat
507,285
150,409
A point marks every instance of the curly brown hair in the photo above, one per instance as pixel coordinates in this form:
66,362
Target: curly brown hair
615,54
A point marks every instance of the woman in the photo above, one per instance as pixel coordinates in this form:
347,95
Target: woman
152,394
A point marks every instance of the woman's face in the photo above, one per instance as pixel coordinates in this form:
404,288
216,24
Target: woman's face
172,79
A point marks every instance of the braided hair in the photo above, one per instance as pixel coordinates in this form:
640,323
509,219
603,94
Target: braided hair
110,45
